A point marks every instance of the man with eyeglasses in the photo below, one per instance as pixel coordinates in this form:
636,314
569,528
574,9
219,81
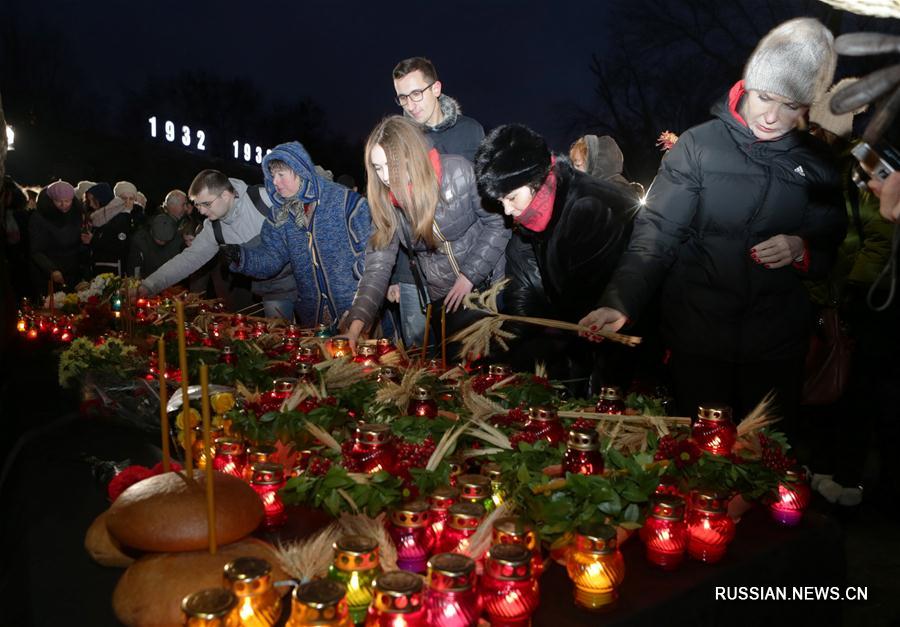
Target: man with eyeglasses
418,91
234,214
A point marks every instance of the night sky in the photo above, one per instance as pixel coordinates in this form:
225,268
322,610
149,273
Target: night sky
503,60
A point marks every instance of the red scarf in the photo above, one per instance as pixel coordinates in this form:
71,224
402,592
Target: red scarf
435,158
537,215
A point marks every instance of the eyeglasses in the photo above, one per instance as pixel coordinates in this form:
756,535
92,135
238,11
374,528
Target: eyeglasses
206,204
415,95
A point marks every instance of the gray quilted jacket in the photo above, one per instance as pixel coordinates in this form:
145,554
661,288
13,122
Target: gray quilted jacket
476,240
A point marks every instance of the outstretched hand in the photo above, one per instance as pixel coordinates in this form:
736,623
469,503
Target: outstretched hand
603,319
457,293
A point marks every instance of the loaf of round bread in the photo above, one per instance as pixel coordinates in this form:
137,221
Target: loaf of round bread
167,513
151,590
102,548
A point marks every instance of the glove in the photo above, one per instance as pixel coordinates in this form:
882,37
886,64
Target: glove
232,253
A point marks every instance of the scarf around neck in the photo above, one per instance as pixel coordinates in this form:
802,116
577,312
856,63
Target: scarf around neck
537,215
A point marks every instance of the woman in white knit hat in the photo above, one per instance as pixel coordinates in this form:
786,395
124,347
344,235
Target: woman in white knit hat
743,209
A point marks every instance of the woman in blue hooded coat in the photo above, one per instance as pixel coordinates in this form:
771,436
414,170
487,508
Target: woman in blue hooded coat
319,227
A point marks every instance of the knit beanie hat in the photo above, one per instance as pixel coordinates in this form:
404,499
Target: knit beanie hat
796,60
163,227
510,157
820,113
82,187
124,187
60,190
102,193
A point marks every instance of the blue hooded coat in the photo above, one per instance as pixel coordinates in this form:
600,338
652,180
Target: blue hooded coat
325,244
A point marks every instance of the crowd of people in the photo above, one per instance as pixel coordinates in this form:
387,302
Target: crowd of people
742,232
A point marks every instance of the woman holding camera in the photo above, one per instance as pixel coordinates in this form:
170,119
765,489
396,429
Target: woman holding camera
743,209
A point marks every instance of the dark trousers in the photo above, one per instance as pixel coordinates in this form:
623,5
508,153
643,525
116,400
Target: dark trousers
698,380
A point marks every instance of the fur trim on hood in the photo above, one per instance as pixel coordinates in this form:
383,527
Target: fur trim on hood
106,213
449,108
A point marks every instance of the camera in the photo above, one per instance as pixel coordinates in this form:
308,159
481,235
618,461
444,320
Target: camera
874,162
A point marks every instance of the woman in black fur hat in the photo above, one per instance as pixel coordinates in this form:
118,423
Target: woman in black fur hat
570,229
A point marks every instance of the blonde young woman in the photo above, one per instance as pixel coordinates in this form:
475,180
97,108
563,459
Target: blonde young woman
429,204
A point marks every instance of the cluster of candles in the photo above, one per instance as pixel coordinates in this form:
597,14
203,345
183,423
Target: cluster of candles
57,327
447,590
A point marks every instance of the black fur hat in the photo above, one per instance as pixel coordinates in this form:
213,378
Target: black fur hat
509,157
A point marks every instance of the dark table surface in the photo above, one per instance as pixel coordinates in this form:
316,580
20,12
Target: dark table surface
50,498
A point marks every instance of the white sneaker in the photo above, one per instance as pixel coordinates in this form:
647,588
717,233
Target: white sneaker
851,497
817,479
830,489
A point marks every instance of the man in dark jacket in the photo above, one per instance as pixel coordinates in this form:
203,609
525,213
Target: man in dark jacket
153,245
419,92
743,209
570,229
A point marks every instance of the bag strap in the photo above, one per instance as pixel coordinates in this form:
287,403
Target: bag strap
406,236
217,232
253,192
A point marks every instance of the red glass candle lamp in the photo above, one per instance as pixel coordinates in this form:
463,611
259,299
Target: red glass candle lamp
215,331
596,567
287,346
21,323
665,533
320,603
302,462
306,373
373,448
309,354
514,530
411,531
610,400
457,467
713,431
452,599
476,489
388,374
385,346
250,580
267,479
340,347
440,502
367,357
543,424
583,456
230,457
227,356
422,403
356,564
282,389
710,529
260,328
292,331
791,499
492,471
495,374
509,592
462,524
261,454
399,601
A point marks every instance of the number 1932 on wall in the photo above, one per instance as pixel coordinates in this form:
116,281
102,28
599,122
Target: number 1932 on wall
196,139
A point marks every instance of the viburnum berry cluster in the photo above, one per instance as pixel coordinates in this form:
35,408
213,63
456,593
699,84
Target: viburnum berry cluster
523,436
515,417
318,465
413,455
774,456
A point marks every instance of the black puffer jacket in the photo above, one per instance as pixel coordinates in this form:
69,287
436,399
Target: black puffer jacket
476,238
718,193
561,272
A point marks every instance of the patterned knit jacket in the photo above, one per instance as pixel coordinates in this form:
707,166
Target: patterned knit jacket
325,243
